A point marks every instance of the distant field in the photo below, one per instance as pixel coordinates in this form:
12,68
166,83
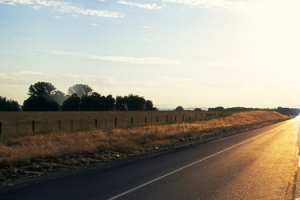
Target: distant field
22,122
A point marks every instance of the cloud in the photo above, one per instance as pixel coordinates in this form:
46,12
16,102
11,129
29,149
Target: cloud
125,59
3,76
30,77
146,6
146,27
30,73
63,7
185,84
19,78
94,24
177,80
226,64
63,80
210,3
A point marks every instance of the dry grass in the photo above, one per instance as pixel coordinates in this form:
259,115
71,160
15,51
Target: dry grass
18,123
123,140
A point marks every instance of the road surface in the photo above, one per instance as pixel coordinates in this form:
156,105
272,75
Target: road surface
258,164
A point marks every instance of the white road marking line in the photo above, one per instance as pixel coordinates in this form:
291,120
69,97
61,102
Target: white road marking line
189,165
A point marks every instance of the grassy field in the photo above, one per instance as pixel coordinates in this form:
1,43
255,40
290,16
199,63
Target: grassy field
21,122
37,154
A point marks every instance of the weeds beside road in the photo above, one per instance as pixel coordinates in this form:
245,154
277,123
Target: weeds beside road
39,154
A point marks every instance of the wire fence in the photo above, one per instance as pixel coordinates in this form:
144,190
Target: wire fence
90,122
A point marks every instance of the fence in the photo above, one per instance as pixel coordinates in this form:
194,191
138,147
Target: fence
88,121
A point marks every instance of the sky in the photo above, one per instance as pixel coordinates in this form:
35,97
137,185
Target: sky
190,53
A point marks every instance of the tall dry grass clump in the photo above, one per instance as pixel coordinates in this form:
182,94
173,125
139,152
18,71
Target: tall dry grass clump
123,140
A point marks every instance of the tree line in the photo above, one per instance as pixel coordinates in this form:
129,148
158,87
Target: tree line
288,111
285,111
43,96
8,104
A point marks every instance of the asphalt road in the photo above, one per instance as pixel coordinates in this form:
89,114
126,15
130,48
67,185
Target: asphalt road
258,164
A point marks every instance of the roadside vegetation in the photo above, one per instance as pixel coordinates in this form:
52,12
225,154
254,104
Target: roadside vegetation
33,155
63,135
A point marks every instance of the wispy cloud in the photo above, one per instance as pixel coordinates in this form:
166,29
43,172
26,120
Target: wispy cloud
63,7
3,76
186,80
146,27
62,80
28,77
226,64
187,83
210,3
30,73
125,59
139,5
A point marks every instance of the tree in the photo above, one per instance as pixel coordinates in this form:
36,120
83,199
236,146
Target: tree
179,108
197,109
288,111
219,108
109,102
72,103
41,96
134,102
295,111
80,90
93,101
40,103
41,89
121,104
239,109
149,105
8,105
58,97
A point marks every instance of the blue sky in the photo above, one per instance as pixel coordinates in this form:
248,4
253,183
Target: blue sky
201,53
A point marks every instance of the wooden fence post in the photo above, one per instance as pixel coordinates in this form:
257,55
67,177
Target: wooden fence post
115,121
33,126
145,120
59,125
183,118
96,123
71,124
0,128
175,118
156,119
17,127
131,121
